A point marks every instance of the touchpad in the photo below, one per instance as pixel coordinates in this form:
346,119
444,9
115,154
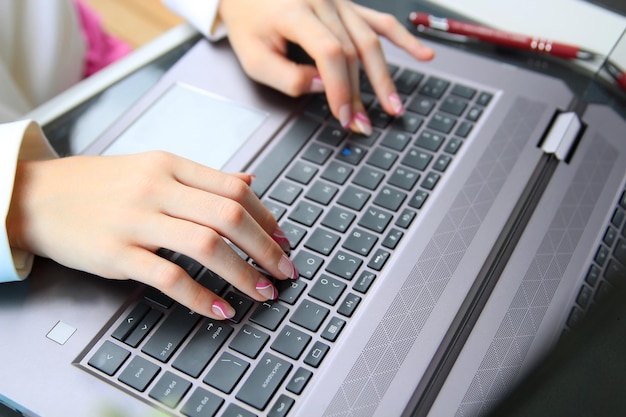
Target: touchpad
191,123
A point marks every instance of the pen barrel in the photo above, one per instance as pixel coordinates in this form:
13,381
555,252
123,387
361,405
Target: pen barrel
512,40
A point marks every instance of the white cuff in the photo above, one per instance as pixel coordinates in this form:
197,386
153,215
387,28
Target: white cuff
19,140
202,14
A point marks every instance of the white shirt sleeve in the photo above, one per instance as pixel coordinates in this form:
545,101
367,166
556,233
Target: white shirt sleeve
201,14
20,140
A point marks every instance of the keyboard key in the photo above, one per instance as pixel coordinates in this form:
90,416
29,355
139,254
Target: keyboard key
396,140
309,315
249,341
405,219
139,373
289,291
354,198
265,379
378,260
408,122
380,118
306,213
233,410
170,389
293,233
453,105
434,87
431,180
226,372
407,81
430,140
349,305
322,241
269,315
418,199
301,172
337,173
382,158
344,265
327,289
338,219
364,282
291,342
307,264
484,98
474,113
131,321
212,281
322,192
442,122
351,154
390,198
281,407
202,347
240,303
360,242
417,159
375,219
144,327
172,332
299,380
404,178
318,107
453,145
422,105
332,135
108,358
442,162
202,403
317,354
464,128
285,192
392,239
368,177
317,153
463,91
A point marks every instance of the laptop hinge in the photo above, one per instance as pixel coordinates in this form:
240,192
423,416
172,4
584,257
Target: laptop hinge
563,135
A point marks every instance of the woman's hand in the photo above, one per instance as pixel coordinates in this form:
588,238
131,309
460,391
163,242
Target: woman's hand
336,34
108,215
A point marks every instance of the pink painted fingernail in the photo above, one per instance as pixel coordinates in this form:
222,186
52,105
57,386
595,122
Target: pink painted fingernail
363,123
396,103
345,116
317,85
266,289
223,310
287,267
280,238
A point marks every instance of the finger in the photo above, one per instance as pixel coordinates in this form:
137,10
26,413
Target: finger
211,181
270,67
330,57
388,26
145,266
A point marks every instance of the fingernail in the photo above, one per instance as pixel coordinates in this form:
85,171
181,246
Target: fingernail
266,289
396,103
345,116
287,267
317,85
363,123
223,310
280,238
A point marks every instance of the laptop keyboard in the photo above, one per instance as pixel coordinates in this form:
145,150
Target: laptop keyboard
608,267
344,201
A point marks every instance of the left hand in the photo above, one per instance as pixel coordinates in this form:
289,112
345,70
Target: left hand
336,34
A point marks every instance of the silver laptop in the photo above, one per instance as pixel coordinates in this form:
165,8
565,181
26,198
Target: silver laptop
440,258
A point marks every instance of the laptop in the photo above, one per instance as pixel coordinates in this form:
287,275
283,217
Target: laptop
441,258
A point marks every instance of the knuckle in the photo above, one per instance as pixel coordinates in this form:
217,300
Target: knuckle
370,43
388,20
205,241
168,275
233,214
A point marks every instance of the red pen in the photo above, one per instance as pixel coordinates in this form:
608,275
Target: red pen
618,74
498,37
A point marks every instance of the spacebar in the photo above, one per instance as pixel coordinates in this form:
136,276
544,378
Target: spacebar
278,159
